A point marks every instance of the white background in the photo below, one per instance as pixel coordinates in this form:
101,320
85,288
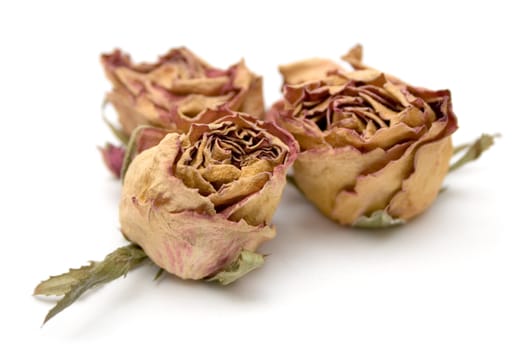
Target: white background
452,279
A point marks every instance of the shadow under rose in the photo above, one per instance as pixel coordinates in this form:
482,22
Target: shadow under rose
306,243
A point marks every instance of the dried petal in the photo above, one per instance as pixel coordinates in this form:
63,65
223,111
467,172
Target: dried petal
113,157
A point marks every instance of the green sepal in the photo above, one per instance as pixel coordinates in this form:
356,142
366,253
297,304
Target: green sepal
473,150
159,274
378,219
246,262
74,283
117,132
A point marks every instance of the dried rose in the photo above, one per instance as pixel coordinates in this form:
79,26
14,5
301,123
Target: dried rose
198,203
178,90
373,149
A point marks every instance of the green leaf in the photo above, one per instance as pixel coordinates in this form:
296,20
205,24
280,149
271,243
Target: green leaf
131,150
61,284
74,283
378,219
246,262
119,133
473,150
159,274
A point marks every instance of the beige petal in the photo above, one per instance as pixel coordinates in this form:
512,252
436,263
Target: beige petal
193,179
371,76
150,179
203,86
370,130
397,134
355,57
304,131
374,190
320,106
395,92
237,190
243,77
410,116
383,111
323,172
371,192
187,244
259,208
132,111
422,187
307,70
253,100
259,166
382,138
220,173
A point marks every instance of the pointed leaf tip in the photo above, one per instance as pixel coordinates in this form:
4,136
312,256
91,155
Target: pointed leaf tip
474,150
117,132
246,262
378,219
76,282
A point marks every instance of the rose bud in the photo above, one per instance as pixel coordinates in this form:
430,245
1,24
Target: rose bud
373,149
178,90
198,202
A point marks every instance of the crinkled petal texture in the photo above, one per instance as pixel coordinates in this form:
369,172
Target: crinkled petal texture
178,90
195,200
368,141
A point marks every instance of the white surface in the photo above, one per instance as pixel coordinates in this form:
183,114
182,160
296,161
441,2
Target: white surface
452,279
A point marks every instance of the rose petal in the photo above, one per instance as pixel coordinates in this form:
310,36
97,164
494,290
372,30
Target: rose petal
307,70
157,185
373,191
191,245
322,173
239,189
422,187
113,157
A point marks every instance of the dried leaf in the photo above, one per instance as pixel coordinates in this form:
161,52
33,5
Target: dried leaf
473,150
378,219
246,262
61,284
159,274
119,133
131,150
77,281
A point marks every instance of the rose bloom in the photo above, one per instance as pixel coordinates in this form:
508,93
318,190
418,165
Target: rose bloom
196,200
178,90
368,141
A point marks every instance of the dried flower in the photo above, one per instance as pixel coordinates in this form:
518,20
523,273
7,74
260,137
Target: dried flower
178,90
196,201
374,150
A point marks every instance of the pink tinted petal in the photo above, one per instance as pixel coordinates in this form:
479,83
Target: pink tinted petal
113,157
